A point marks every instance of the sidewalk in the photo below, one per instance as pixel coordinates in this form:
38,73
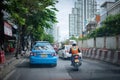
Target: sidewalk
9,65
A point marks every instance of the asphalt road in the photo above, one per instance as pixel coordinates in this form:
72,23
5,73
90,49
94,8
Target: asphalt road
89,70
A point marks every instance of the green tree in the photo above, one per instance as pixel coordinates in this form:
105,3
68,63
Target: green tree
113,23
48,37
32,16
73,38
111,27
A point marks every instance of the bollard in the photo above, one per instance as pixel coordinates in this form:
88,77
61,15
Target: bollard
98,54
2,57
93,53
108,58
116,57
86,52
89,53
104,55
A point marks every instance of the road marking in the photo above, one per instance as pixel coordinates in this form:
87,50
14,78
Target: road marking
22,61
7,76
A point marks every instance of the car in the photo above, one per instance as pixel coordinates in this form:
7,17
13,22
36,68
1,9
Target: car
64,52
43,53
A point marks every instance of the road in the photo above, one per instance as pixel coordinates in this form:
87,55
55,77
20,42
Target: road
90,70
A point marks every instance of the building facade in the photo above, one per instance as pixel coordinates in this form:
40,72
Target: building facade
56,34
54,31
110,8
82,13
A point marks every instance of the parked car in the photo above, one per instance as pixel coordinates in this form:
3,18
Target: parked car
64,52
43,53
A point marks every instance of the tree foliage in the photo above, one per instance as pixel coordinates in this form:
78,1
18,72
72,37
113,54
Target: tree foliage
113,24
73,38
34,14
48,37
32,17
111,27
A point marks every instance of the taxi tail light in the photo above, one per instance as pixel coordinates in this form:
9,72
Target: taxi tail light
54,54
32,54
76,57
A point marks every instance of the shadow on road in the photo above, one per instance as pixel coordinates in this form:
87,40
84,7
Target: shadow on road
65,59
27,65
41,66
72,69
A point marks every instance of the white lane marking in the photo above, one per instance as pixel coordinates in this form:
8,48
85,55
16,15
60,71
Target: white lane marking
10,74
7,76
22,61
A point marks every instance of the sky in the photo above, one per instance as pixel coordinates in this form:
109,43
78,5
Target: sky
65,8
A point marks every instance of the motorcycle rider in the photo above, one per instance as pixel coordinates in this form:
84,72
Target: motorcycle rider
74,50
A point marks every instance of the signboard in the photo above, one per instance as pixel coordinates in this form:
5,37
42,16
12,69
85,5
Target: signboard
7,29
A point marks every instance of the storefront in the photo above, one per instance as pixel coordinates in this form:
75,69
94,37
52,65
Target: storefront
9,39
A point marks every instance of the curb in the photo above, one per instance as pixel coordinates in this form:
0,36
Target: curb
8,66
102,55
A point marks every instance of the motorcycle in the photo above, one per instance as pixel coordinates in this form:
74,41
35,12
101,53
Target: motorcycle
76,61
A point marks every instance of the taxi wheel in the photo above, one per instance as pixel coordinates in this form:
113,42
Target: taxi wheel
31,65
54,65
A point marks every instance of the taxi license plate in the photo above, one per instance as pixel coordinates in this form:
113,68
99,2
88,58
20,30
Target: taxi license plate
76,60
43,55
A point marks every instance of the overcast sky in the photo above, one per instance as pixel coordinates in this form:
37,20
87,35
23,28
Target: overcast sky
65,8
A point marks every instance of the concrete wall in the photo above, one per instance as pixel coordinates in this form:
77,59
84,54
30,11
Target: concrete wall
90,42
101,42
80,43
85,44
111,42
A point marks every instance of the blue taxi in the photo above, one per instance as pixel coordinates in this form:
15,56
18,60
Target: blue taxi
43,53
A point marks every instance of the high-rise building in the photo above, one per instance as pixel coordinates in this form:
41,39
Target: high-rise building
82,13
54,31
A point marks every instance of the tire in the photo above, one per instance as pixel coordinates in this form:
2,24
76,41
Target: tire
30,65
63,55
76,69
53,65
